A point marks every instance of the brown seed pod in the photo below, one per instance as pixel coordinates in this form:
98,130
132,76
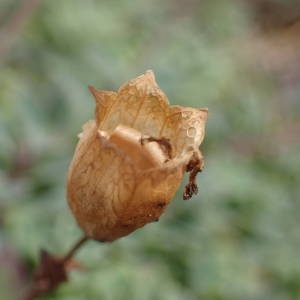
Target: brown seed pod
130,160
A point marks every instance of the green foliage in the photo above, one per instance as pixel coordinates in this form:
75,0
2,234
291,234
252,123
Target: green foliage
239,238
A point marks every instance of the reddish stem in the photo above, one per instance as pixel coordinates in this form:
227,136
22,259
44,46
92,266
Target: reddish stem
52,271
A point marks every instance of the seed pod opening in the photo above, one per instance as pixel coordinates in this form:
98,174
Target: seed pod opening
130,160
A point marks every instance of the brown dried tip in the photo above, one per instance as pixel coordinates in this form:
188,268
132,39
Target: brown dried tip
50,273
130,160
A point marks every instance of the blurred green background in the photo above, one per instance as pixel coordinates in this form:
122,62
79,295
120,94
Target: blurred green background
239,237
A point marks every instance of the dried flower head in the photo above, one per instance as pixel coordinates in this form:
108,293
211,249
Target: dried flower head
130,160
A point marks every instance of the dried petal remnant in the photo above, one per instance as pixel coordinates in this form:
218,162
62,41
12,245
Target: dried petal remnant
130,160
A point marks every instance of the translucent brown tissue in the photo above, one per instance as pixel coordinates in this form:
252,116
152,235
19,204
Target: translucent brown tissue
130,160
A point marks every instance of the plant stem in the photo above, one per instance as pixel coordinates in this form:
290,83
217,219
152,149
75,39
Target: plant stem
73,250
52,271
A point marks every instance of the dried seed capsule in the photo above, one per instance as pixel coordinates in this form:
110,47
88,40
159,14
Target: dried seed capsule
130,160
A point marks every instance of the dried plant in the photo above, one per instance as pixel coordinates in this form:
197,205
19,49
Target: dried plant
127,166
